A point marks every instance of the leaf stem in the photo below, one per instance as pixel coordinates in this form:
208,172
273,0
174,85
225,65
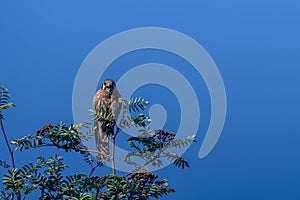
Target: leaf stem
92,171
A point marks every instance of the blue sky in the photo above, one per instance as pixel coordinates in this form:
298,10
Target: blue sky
255,45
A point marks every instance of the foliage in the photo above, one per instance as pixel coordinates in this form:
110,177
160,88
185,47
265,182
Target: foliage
4,100
152,148
49,176
60,136
4,164
132,106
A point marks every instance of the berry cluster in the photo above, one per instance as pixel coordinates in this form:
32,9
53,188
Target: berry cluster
43,131
164,136
146,176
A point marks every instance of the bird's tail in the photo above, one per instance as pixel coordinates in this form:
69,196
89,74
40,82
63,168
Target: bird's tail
102,141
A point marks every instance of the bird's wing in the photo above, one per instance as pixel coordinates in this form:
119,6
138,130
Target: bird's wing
101,133
97,101
115,106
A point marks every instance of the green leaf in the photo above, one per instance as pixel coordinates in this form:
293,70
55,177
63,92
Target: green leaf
4,164
180,162
137,104
4,100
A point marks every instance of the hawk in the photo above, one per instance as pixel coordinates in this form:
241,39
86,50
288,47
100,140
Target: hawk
107,100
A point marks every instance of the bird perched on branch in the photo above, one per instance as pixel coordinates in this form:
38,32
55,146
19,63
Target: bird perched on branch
106,101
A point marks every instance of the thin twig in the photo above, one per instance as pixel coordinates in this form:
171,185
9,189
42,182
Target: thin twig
19,197
97,193
113,155
94,151
154,158
113,141
53,144
7,143
92,171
